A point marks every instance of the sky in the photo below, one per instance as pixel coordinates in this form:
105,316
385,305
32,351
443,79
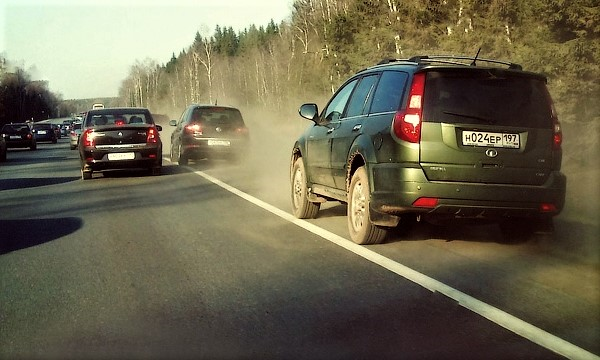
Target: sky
85,48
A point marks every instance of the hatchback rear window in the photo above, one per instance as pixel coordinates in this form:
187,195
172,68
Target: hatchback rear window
486,97
218,116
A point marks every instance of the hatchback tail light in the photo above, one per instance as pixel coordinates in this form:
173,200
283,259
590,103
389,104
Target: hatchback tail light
152,137
407,123
193,129
557,135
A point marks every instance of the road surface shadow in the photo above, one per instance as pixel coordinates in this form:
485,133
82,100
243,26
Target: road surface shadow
20,183
21,234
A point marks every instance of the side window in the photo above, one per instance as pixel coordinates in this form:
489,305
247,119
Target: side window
336,106
389,92
361,95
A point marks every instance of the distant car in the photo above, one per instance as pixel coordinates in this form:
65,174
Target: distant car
18,135
66,127
74,135
207,131
2,149
57,130
120,138
44,132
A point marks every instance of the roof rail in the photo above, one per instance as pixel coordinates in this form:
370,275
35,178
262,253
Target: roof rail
455,59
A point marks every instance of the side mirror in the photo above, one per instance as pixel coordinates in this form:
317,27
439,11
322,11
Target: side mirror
173,122
309,111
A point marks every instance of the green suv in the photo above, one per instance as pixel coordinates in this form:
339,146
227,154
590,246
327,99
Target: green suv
433,138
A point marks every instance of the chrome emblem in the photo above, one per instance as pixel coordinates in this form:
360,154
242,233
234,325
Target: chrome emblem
120,133
491,153
219,129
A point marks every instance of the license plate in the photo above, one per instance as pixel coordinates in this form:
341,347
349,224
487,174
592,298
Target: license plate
15,137
42,132
121,156
491,139
219,143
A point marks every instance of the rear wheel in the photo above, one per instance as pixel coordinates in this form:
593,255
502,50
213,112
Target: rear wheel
301,207
362,231
86,174
181,158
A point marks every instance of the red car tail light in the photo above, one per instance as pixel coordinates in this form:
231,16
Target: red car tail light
407,123
88,137
557,135
193,129
152,137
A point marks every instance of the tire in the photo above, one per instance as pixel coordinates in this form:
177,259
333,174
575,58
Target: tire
181,158
86,175
362,231
172,154
301,207
155,171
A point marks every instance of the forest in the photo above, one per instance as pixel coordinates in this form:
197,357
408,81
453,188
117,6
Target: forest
306,57
325,41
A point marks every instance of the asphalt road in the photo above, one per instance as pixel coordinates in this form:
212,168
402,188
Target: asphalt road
205,262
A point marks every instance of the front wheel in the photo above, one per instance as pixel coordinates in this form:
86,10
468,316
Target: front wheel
301,207
362,231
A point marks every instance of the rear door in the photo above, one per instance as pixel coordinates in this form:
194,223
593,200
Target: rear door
486,126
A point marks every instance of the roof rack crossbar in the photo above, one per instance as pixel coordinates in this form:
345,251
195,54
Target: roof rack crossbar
448,58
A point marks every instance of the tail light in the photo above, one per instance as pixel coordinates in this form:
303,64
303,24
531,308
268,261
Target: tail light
548,208
193,129
407,123
426,202
88,137
557,136
29,136
152,136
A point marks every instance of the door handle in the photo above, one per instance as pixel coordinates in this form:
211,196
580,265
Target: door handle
356,127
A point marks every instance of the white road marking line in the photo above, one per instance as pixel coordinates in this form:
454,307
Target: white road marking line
502,318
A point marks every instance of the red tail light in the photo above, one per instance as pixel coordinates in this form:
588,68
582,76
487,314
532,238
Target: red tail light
407,123
119,122
193,129
557,139
88,137
426,202
152,137
548,208
557,136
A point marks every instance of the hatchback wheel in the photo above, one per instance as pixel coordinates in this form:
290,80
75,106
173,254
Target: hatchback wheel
301,207
181,158
362,231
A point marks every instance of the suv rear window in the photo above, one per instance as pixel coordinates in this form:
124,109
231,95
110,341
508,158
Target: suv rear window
486,97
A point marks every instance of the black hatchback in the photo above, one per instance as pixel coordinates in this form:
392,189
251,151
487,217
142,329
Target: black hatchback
18,135
208,131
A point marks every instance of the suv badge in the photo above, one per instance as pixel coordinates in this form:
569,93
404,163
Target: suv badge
218,129
491,153
120,133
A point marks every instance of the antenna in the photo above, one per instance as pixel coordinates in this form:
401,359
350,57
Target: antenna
475,58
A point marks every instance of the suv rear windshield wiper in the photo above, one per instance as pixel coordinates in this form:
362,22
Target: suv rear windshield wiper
481,119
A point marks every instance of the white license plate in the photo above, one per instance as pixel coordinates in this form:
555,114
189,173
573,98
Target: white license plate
42,132
15,137
219,143
121,156
491,139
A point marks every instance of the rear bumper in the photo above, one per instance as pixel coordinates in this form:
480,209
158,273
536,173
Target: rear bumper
395,190
200,148
97,160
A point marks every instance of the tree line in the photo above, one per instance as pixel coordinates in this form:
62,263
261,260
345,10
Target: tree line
306,57
325,41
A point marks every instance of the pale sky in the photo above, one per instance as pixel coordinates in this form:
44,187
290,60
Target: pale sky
85,48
